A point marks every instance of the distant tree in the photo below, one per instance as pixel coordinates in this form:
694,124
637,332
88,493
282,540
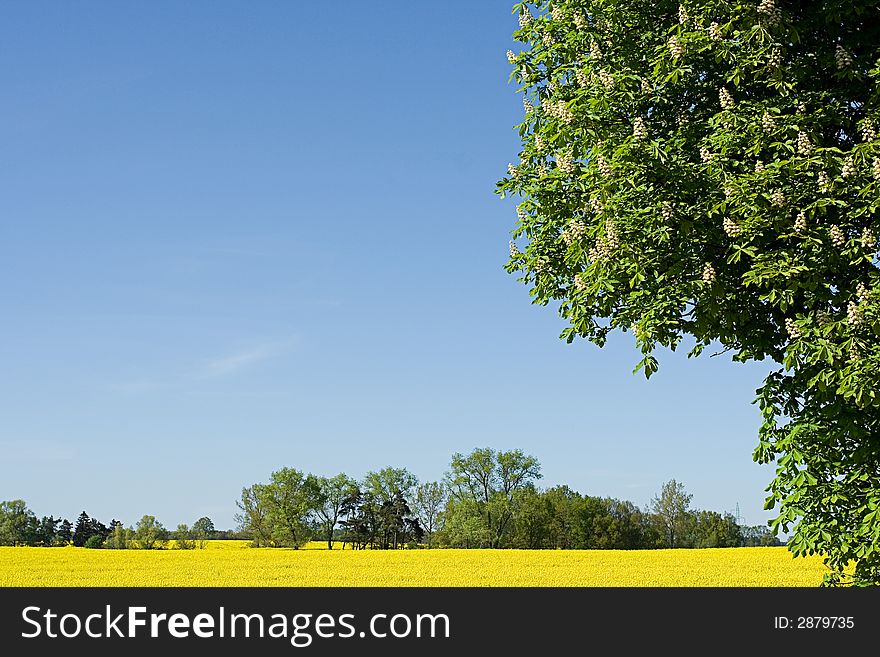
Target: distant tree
94,542
64,534
16,522
490,480
709,529
120,538
47,531
253,517
287,504
184,537
82,530
463,525
203,530
430,498
150,533
327,497
671,508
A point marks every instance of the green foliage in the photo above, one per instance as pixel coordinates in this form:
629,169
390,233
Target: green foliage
490,482
95,541
184,537
712,169
150,534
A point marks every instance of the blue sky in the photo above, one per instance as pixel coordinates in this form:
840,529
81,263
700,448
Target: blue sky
241,236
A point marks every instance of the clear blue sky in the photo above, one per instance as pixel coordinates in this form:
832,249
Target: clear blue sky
238,236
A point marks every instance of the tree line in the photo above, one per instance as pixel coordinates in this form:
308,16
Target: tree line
19,526
487,499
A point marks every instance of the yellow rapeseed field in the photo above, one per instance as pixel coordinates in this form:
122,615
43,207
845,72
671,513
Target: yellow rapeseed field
232,563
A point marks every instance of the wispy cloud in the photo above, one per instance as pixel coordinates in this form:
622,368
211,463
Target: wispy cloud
244,358
239,360
227,364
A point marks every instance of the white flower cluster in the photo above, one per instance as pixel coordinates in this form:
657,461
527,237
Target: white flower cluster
708,273
646,87
824,182
607,245
861,292
875,168
596,204
574,231
580,283
582,77
725,98
715,31
511,57
804,145
527,105
548,39
869,240
855,354
682,14
595,52
769,9
842,57
823,317
731,227
853,313
513,171
640,130
849,167
800,223
869,132
793,331
675,47
604,166
777,198
705,154
565,162
607,79
526,18
557,14
775,60
666,211
729,190
768,123
837,237
559,110
681,118
514,251
542,265
759,167
540,144
580,21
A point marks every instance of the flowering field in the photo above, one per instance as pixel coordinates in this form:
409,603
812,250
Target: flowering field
231,563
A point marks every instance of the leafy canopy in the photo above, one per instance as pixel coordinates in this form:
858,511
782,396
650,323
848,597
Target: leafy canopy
712,169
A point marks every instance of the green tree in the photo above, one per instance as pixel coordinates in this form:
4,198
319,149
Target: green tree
253,514
327,497
671,507
120,537
490,480
430,498
184,537
712,169
150,534
15,520
286,501
203,530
